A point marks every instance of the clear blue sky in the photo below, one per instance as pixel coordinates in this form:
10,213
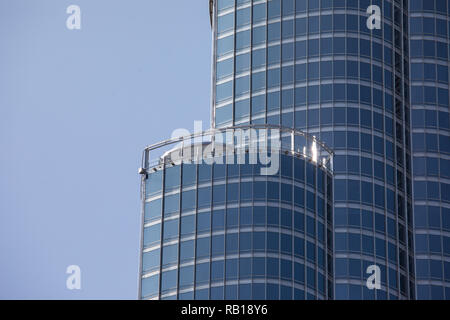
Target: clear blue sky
76,109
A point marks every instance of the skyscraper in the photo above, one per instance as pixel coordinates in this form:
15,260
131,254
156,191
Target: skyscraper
316,66
351,73
429,38
217,227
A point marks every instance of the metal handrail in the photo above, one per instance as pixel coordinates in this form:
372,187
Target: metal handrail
215,131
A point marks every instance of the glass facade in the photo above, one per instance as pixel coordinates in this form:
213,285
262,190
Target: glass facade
314,65
378,97
429,43
224,231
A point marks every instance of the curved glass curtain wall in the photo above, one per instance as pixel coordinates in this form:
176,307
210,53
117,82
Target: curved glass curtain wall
224,231
313,65
429,38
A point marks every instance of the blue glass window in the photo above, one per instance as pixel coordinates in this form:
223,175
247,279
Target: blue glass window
152,234
170,254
